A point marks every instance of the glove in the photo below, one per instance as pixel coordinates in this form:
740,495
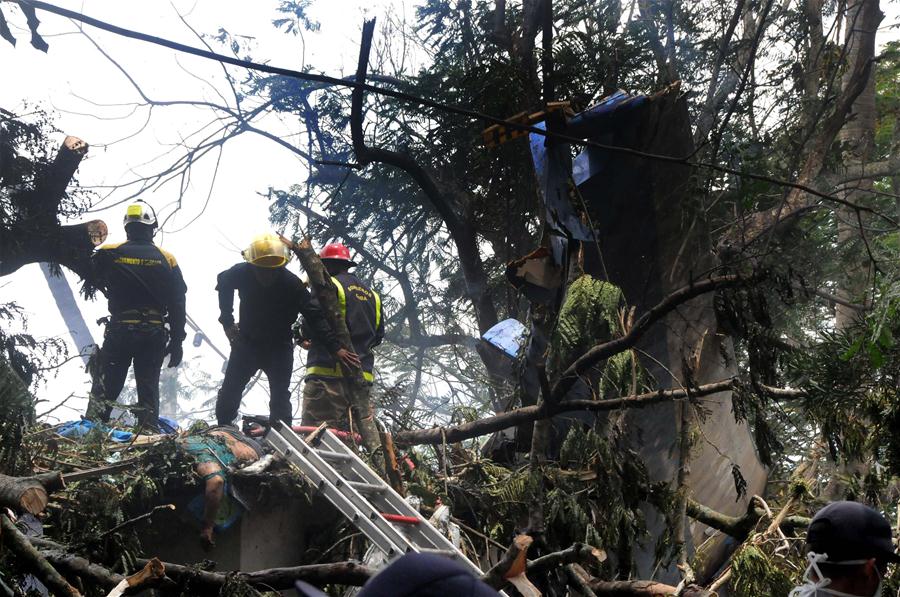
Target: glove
175,353
233,333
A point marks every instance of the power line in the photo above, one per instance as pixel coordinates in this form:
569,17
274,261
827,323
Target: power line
468,113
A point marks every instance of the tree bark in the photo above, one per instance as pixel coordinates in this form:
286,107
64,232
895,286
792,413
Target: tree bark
29,494
38,237
33,561
438,192
360,403
519,416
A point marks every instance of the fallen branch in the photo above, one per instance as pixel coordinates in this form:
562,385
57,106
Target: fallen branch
360,402
643,588
579,579
150,574
578,553
278,579
511,568
32,560
29,494
137,519
740,527
529,414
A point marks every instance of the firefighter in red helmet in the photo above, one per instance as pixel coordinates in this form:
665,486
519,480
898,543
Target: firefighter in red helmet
326,397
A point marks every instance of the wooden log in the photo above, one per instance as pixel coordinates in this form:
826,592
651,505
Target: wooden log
278,579
149,575
32,560
513,563
29,494
360,404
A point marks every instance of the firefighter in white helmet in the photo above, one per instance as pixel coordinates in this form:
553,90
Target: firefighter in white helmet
271,298
146,291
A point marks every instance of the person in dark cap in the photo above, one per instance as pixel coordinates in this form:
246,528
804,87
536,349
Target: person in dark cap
849,547
417,575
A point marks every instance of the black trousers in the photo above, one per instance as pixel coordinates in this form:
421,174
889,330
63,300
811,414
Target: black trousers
145,346
247,357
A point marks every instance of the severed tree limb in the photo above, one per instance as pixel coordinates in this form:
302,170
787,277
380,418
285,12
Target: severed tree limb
643,588
579,553
39,236
360,403
528,414
32,560
740,527
579,579
513,563
151,573
29,494
279,579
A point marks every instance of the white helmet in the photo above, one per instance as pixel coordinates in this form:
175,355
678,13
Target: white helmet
140,213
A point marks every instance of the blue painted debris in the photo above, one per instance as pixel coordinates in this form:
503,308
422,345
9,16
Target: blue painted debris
553,164
509,336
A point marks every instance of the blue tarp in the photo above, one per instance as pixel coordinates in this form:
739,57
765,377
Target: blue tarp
76,429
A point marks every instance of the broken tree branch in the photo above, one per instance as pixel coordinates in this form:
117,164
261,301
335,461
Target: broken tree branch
529,414
29,494
513,563
579,553
360,404
437,193
31,559
740,527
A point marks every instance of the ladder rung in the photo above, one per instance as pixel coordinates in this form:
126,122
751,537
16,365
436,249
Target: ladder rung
441,552
399,518
337,456
366,487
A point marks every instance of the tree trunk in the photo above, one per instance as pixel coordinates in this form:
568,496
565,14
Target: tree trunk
653,240
858,139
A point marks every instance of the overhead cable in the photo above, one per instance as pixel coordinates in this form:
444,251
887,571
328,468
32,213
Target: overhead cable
472,114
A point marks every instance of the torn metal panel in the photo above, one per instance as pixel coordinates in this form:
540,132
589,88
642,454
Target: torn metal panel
537,275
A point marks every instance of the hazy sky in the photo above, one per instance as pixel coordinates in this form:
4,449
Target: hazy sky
72,78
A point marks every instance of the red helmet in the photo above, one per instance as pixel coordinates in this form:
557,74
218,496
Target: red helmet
336,252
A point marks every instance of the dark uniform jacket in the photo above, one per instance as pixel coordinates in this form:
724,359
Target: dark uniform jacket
143,284
362,311
268,312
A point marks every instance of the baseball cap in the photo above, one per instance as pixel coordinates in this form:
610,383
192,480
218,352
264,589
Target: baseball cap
851,531
417,575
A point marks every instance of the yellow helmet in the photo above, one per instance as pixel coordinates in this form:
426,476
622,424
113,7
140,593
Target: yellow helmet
267,250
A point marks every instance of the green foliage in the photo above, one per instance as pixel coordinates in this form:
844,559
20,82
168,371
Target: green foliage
756,572
590,316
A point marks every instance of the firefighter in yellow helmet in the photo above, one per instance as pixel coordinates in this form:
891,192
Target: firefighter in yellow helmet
271,298
146,291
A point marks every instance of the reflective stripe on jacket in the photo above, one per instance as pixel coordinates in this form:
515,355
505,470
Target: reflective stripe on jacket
143,284
361,308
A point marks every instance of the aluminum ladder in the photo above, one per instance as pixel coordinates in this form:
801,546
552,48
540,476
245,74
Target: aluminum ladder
363,497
